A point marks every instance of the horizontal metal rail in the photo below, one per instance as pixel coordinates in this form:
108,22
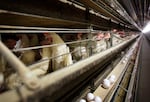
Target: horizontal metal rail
41,28
41,31
22,29
45,46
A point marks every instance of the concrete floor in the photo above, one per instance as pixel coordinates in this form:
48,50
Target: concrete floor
143,92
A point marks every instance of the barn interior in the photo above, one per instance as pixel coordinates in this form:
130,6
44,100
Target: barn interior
74,50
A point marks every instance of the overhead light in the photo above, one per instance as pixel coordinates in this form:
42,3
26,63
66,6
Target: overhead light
146,28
